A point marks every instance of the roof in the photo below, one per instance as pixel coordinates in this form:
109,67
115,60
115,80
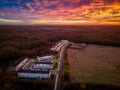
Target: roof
18,61
43,62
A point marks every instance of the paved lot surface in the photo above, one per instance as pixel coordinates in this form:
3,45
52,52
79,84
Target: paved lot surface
95,64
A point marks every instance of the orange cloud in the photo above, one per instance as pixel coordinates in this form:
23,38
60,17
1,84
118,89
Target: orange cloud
66,12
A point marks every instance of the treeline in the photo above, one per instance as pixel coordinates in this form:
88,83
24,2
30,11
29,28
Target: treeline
15,50
18,41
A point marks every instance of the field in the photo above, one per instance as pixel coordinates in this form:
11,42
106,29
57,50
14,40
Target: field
95,64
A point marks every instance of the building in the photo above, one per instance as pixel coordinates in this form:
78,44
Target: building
28,68
21,64
33,74
42,66
57,47
47,58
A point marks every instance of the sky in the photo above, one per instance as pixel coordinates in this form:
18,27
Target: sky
50,12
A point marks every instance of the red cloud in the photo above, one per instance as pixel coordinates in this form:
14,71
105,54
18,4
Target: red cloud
37,3
30,7
95,12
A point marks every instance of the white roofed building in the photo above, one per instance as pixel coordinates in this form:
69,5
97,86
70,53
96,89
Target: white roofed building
47,58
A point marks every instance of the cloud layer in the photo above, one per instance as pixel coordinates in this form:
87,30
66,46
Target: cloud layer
60,11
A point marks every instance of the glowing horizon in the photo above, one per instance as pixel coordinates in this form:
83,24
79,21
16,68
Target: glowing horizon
73,12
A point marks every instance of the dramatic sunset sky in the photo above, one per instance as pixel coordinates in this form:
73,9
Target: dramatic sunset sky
59,12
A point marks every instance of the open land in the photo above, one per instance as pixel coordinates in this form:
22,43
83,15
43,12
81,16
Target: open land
95,64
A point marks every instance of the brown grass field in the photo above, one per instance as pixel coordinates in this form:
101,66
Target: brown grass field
95,64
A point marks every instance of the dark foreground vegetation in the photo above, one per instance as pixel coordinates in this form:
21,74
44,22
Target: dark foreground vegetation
18,41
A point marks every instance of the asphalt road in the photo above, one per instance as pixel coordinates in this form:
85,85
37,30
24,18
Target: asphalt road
60,68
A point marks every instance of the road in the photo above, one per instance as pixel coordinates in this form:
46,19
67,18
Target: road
60,67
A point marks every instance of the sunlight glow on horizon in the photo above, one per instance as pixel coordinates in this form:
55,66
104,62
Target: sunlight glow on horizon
8,21
56,22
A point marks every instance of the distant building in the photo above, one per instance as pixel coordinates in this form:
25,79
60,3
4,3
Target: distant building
57,47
